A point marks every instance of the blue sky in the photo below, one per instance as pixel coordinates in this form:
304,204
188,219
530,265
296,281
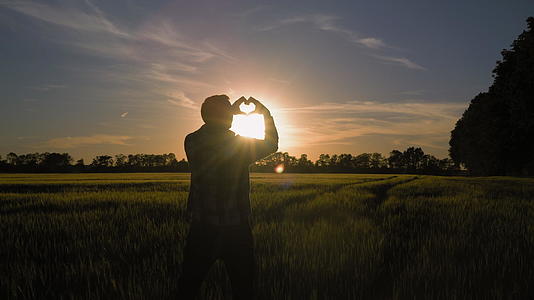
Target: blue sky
95,77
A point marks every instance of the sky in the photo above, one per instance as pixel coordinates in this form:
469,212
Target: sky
107,77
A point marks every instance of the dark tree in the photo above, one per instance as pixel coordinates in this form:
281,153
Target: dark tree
413,158
102,161
377,161
495,135
323,161
479,139
303,162
362,161
395,160
12,158
121,160
56,161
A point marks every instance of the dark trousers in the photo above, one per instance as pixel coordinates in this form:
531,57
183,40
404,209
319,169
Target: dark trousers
207,243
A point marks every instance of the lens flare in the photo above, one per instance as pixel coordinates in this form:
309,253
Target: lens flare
279,169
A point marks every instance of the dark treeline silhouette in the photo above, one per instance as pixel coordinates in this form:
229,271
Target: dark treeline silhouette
412,160
63,162
495,135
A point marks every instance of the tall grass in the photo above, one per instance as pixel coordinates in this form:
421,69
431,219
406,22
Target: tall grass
317,236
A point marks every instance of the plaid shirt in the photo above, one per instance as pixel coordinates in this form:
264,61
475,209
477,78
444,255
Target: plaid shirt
219,162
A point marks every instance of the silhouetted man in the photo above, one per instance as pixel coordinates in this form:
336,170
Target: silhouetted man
219,204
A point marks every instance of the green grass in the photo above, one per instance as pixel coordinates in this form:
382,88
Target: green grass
317,236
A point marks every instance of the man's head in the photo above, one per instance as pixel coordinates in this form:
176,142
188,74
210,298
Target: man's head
217,110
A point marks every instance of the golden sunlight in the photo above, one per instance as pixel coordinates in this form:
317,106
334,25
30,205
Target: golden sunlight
249,125
279,169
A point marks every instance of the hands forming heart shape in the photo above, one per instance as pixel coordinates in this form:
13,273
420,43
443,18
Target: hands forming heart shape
248,106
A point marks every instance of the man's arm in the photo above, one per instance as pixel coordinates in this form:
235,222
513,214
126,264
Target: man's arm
188,149
257,149
271,137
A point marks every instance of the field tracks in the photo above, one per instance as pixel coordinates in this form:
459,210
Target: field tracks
317,236
273,213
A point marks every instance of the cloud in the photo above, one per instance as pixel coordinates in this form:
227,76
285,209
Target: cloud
78,141
400,61
180,99
329,23
418,123
372,43
154,52
249,12
70,18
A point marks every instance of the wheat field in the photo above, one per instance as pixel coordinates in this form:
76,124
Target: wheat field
317,236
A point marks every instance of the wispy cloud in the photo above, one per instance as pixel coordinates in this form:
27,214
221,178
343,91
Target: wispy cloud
78,141
419,123
329,23
373,43
399,61
180,99
249,12
154,52
70,18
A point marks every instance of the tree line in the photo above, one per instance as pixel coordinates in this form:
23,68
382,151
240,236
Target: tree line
63,162
495,135
412,160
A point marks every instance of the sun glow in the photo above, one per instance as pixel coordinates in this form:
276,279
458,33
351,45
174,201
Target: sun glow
249,125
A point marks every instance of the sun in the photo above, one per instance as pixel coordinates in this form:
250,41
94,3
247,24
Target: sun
250,125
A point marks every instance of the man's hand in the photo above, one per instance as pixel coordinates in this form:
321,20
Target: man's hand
260,108
235,106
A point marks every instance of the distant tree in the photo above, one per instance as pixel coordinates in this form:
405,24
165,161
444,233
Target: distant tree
345,161
395,160
323,161
170,159
303,161
429,164
182,165
12,158
102,161
413,158
31,160
121,160
377,161
54,161
362,161
79,165
495,135
3,163
447,164
334,161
